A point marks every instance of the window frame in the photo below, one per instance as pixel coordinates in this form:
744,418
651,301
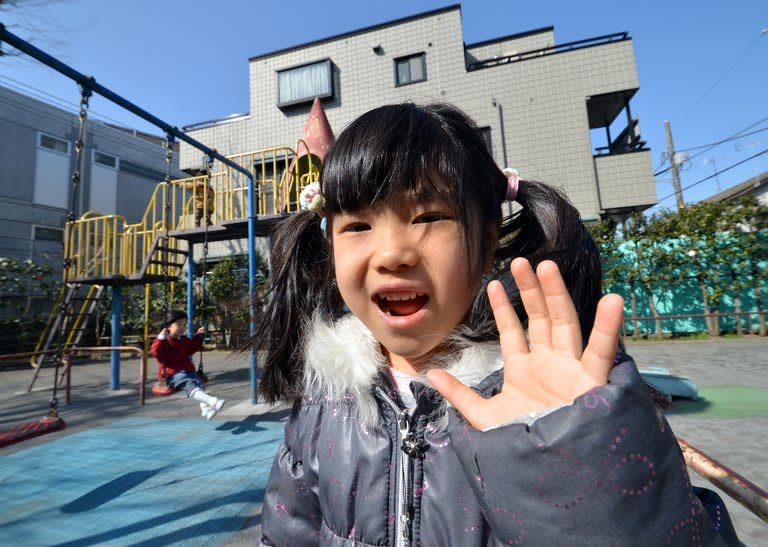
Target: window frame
36,227
309,99
116,166
422,56
41,135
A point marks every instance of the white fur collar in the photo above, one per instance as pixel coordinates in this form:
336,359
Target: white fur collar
343,358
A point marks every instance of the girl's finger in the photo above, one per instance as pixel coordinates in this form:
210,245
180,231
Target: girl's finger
604,339
511,333
539,326
463,399
564,320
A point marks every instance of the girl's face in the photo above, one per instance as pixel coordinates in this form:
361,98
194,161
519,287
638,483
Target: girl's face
403,270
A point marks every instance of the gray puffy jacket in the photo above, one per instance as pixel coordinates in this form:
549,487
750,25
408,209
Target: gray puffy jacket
357,469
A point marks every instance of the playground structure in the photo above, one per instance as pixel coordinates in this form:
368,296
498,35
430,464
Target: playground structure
243,198
108,250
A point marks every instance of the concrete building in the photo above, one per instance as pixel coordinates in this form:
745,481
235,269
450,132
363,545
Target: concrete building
37,158
557,112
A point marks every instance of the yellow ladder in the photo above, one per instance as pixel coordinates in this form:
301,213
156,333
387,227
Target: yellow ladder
74,306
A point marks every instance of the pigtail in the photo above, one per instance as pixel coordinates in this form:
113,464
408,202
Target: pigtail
549,227
301,283
546,226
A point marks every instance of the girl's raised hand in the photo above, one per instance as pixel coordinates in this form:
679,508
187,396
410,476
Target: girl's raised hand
548,370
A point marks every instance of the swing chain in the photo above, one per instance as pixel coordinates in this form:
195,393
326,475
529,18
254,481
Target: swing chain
85,94
169,140
208,172
66,304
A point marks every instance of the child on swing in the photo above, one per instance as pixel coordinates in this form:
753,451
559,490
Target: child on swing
173,351
428,408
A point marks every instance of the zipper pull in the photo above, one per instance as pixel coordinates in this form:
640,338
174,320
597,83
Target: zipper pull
402,421
415,447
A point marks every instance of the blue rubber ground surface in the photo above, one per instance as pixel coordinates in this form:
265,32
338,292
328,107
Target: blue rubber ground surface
138,481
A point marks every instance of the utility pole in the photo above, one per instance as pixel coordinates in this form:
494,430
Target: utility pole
673,163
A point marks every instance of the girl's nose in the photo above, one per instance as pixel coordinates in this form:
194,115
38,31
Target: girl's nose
395,250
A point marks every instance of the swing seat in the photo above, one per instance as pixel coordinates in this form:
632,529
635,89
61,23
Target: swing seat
31,429
161,389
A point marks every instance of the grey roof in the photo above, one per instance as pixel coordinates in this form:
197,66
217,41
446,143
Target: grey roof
742,189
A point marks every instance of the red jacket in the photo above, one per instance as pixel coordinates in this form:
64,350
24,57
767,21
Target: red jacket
175,354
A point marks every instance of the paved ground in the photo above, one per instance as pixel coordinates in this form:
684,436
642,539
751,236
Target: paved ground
105,479
125,474
740,442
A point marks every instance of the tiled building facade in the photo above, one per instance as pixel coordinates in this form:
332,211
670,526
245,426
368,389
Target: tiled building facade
535,101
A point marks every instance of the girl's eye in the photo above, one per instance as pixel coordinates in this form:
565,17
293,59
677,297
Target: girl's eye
431,217
356,227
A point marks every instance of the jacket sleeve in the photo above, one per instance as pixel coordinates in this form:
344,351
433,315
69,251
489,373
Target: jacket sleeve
291,511
160,350
605,470
195,343
156,343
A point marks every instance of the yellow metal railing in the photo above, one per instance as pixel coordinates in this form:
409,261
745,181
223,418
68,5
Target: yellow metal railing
103,246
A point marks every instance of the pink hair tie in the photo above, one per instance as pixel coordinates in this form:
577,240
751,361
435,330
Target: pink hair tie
513,183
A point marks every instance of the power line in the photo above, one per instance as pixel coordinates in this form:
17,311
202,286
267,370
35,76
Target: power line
70,119
720,79
736,136
729,139
64,103
713,175
726,73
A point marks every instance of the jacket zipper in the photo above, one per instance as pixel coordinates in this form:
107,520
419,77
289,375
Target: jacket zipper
404,513
402,507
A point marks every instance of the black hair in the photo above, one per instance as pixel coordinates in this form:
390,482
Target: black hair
436,152
173,316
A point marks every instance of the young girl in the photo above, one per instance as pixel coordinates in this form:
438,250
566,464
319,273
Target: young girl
173,351
428,409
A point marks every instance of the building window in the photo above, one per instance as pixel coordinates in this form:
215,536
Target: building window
104,159
411,69
303,83
43,233
52,143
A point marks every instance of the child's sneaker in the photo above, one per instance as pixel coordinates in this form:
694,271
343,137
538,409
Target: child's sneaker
204,408
214,409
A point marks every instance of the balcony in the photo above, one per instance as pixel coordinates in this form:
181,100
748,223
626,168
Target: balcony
625,181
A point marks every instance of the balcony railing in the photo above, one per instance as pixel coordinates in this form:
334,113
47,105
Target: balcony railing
560,48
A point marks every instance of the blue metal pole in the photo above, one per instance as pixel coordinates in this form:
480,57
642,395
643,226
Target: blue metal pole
252,284
190,288
89,82
117,305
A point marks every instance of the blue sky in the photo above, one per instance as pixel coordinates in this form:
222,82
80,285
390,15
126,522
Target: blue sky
702,65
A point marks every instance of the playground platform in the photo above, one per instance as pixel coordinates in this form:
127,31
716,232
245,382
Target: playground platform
158,474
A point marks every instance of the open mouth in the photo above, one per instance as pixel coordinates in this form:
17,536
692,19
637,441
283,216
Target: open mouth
399,304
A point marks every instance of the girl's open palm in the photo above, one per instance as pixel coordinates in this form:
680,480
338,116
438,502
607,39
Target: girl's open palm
548,369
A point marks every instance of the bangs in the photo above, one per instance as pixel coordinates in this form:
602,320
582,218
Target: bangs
434,152
390,152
